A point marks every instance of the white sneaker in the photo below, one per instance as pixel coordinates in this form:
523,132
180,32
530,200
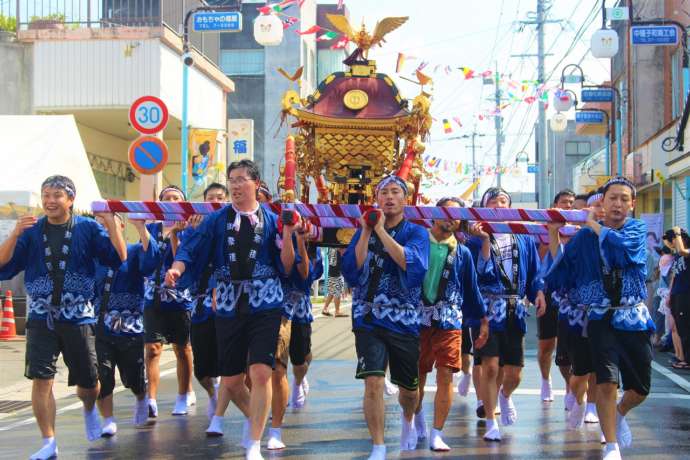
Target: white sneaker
49,450
493,434
420,424
591,415
546,390
153,408
569,401
436,442
612,452
180,405
408,434
390,388
109,428
212,404
305,385
215,428
576,416
141,413
623,433
298,397
275,439
464,385
508,411
92,424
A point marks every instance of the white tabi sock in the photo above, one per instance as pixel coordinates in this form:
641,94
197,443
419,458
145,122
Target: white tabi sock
141,413
464,385
212,404
408,434
492,431
253,451
591,415
623,433
92,424
109,427
420,424
49,450
546,390
275,439
215,428
378,452
436,442
612,452
153,408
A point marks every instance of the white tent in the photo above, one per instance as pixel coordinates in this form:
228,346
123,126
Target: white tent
37,146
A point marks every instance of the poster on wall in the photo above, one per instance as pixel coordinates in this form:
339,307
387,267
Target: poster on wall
655,229
240,139
205,166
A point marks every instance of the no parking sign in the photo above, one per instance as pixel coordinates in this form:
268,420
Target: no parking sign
148,115
148,154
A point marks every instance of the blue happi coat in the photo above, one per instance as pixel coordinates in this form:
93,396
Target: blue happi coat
462,298
491,286
396,301
578,268
207,244
171,298
297,290
125,309
89,243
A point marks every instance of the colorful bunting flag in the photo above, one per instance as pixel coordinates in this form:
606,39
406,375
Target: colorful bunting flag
327,36
401,61
341,43
289,22
312,30
446,126
457,120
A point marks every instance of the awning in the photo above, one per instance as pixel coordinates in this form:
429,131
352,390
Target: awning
33,147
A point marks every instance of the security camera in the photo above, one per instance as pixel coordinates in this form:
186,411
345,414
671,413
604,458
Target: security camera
187,59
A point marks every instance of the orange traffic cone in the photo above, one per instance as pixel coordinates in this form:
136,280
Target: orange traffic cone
8,329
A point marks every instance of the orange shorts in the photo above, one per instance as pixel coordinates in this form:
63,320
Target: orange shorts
441,347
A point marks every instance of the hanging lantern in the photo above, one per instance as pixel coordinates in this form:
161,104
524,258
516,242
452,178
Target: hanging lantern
268,30
558,123
604,44
562,100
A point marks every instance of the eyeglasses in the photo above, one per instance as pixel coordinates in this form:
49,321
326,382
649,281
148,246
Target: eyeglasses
238,180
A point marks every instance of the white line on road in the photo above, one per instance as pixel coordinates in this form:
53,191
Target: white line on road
72,406
673,377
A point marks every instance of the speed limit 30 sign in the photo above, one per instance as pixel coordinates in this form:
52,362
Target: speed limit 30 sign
148,115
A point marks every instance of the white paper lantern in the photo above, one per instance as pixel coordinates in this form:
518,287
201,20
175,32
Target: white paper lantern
559,123
562,100
604,43
268,30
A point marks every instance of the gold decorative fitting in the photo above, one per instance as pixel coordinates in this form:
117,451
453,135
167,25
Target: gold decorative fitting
355,99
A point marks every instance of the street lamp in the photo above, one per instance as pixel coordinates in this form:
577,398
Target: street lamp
268,30
604,42
558,123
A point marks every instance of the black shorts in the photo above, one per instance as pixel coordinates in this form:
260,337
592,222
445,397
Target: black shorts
246,339
508,345
627,352
127,354
77,343
547,324
300,343
466,344
205,349
167,326
380,348
579,354
562,358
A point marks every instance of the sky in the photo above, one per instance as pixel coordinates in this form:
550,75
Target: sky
482,35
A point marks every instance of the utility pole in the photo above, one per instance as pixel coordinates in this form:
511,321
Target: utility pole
498,123
542,143
473,136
